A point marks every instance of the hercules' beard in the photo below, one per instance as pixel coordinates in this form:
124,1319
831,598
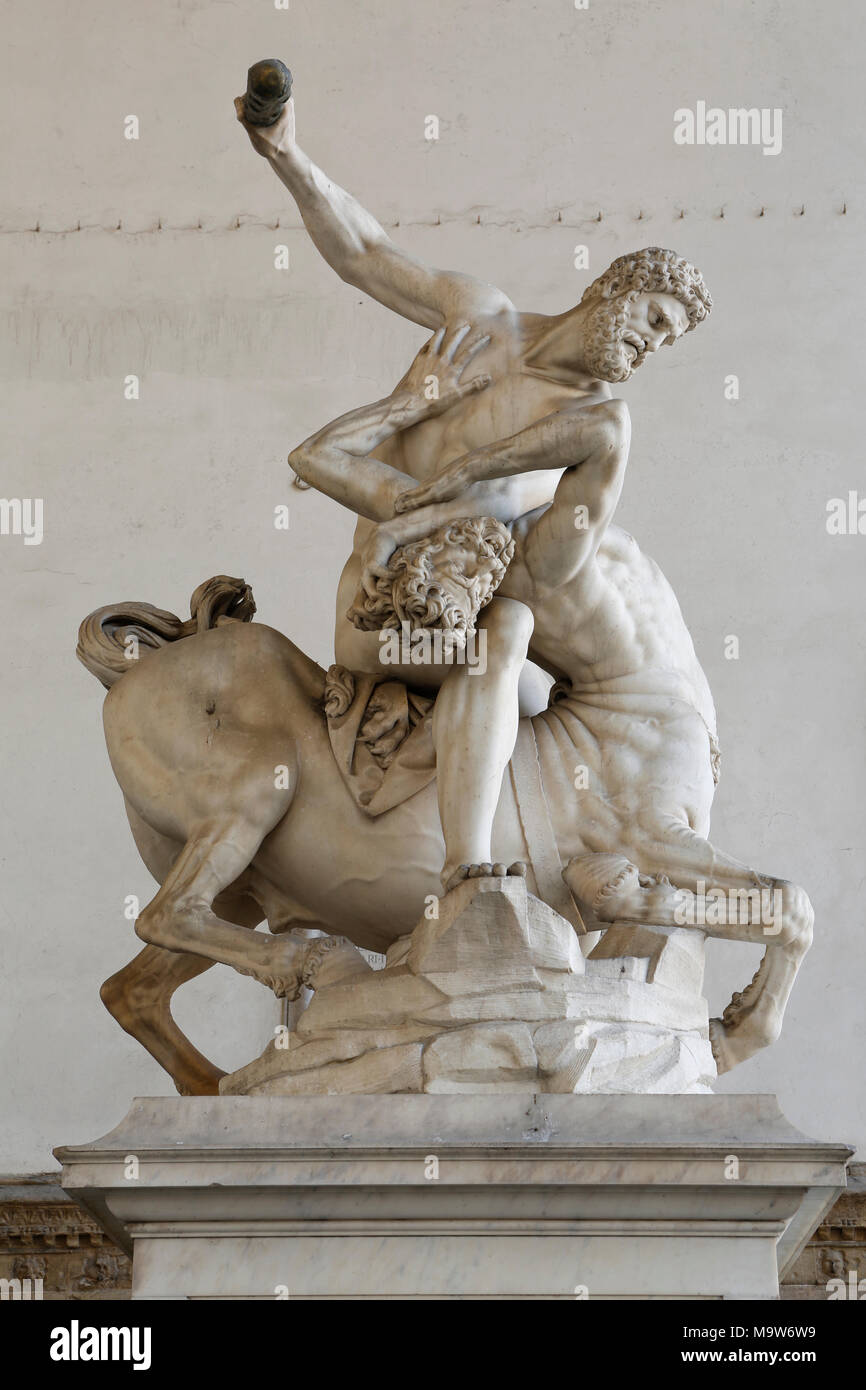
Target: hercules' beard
604,350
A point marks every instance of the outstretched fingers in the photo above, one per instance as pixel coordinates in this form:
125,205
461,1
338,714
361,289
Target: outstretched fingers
451,344
457,348
468,348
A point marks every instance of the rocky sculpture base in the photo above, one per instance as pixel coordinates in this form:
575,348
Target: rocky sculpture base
494,995
443,1197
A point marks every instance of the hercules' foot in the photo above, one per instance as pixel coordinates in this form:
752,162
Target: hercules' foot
464,871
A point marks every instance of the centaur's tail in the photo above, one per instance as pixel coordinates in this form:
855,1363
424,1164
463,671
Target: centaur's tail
110,639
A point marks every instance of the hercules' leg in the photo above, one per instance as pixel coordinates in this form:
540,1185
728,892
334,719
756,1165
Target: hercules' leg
474,729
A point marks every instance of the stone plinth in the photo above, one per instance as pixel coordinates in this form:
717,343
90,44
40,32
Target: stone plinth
437,1197
493,995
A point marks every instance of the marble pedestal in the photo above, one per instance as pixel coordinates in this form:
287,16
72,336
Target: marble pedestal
457,1196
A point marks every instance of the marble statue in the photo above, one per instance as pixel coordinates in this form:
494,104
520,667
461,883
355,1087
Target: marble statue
523,833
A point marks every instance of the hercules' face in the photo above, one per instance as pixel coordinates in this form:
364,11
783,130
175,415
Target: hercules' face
652,321
621,332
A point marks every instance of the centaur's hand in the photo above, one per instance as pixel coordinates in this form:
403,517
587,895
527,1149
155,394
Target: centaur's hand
274,139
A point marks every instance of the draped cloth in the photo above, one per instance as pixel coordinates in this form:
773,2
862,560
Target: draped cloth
381,737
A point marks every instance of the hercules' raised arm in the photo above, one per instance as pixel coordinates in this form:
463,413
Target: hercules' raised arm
357,247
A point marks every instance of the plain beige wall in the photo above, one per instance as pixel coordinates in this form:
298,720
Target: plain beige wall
548,115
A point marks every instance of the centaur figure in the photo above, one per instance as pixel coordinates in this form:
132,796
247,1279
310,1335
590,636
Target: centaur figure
224,742
222,738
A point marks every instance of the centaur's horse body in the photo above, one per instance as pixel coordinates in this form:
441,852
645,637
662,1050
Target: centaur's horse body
220,744
253,703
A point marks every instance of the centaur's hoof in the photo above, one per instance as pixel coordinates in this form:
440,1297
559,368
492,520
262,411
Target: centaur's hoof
294,965
744,1028
722,1051
731,1046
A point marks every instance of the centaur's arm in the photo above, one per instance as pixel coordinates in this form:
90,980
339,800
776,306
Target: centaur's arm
357,247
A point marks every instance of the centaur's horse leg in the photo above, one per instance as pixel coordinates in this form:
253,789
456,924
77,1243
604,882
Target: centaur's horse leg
662,890
139,998
203,735
139,995
230,802
180,918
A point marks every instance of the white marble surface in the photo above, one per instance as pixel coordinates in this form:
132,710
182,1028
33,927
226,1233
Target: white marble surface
494,995
449,1196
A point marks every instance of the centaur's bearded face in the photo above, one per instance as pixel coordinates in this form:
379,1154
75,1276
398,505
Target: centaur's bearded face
441,581
621,332
463,582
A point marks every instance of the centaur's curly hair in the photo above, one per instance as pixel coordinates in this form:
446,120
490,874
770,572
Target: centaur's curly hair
655,271
412,591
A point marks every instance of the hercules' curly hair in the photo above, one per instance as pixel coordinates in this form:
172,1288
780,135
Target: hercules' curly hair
654,270
411,591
